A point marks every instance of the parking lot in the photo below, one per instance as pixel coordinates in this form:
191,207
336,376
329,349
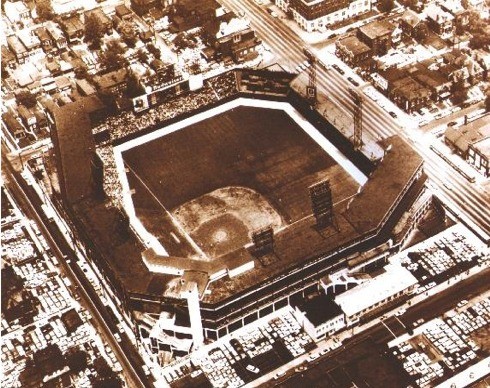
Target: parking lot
245,355
445,346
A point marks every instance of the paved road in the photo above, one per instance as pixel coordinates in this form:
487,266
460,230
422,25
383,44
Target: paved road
372,342
469,198
95,307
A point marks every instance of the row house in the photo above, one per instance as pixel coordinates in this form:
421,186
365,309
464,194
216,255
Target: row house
472,142
27,117
17,48
73,28
353,52
9,60
57,36
186,15
47,43
379,36
313,15
231,37
455,8
31,42
413,26
439,21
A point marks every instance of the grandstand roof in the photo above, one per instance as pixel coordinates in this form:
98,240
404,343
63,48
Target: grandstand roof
377,196
75,147
294,247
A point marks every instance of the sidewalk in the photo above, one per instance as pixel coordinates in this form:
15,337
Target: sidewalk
336,340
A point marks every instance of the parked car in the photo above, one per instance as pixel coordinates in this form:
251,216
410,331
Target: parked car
336,67
393,114
353,81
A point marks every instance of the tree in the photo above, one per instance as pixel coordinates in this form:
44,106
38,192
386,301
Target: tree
487,102
44,10
154,50
386,5
133,89
26,98
81,72
77,360
479,40
112,57
195,67
142,55
459,92
94,30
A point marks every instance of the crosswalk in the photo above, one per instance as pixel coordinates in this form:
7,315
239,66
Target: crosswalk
470,199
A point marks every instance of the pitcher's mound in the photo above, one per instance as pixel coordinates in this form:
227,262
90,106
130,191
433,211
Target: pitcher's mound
222,221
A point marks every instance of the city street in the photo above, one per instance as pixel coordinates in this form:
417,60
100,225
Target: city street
454,189
372,342
87,294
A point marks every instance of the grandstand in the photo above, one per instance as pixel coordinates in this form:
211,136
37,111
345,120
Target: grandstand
194,174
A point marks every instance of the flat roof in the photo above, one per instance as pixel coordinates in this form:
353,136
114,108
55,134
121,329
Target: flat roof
294,247
377,196
377,28
353,44
75,146
472,133
321,309
395,279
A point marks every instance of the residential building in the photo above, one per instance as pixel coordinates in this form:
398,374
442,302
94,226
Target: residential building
455,8
103,19
73,28
17,48
124,13
352,51
314,15
114,81
413,26
13,126
27,117
57,36
439,21
31,42
9,60
409,94
229,36
189,14
377,35
45,39
17,12
472,142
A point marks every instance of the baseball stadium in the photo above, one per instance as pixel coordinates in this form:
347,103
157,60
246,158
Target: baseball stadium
182,249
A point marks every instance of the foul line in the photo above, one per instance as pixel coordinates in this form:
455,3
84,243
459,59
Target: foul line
174,221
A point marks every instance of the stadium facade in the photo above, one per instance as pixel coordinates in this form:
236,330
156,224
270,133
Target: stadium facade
175,304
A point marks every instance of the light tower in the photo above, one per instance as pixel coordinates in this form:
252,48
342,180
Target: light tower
357,138
311,88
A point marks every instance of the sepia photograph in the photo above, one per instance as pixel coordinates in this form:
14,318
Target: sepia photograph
245,193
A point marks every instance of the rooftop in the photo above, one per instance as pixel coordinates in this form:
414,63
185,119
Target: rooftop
377,29
75,145
368,208
474,133
395,279
321,309
411,18
354,45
